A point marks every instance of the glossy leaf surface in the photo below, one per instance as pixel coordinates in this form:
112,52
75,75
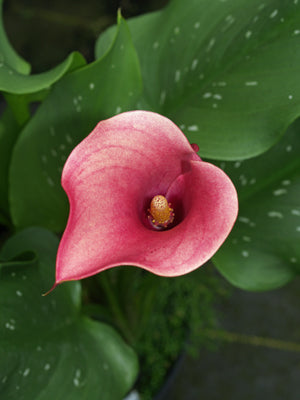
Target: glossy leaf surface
262,251
13,82
48,350
8,56
9,130
226,72
74,106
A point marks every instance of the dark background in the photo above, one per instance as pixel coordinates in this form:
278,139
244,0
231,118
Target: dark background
44,32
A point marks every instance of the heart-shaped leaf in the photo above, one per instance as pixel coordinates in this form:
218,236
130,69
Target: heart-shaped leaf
263,250
225,71
72,109
48,350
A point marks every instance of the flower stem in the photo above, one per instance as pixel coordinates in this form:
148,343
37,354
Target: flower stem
115,306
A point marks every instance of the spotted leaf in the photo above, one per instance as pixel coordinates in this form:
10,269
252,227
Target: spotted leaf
217,68
68,114
48,349
263,251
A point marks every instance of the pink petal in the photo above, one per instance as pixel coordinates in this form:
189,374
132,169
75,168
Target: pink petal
110,179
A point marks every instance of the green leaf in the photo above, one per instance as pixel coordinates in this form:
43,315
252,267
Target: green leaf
8,56
48,350
226,72
9,130
72,109
13,82
10,127
14,70
263,251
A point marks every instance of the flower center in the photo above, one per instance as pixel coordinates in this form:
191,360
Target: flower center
161,214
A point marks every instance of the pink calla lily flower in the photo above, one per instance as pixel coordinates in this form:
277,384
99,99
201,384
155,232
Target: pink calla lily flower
140,195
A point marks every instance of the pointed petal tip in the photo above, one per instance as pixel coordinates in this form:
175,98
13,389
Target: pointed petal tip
50,290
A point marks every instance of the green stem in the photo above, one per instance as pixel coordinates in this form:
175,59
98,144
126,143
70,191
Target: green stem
115,306
252,340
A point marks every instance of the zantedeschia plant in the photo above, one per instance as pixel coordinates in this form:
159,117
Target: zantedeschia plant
140,195
228,74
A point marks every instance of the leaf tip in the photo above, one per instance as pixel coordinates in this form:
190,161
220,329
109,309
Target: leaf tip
119,16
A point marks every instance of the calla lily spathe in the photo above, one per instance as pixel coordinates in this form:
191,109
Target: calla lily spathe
110,179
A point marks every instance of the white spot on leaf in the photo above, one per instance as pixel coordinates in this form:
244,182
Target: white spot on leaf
273,14
163,95
10,325
229,20
77,379
194,64
217,96
68,138
210,45
26,372
275,214
245,220
251,83
279,192
193,128
50,181
246,239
